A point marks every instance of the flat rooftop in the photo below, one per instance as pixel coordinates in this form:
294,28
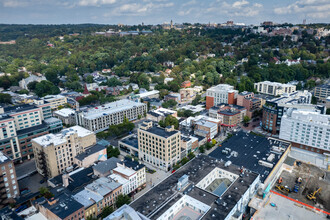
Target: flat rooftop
59,138
19,108
250,149
161,132
162,196
78,179
64,206
131,141
65,112
90,151
105,166
111,108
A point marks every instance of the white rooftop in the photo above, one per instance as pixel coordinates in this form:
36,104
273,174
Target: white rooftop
224,87
206,123
126,171
60,138
275,83
163,111
119,179
87,197
146,94
52,97
309,116
103,186
65,112
194,109
111,108
3,157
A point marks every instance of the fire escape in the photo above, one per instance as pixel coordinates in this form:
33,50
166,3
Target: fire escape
43,164
3,192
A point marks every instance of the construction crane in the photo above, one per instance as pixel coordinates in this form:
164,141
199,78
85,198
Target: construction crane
312,196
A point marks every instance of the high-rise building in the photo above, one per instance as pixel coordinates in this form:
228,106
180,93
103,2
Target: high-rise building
275,108
100,118
160,147
19,124
308,130
274,88
8,183
56,152
221,93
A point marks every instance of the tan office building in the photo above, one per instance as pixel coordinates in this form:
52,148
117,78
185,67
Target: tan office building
158,146
56,152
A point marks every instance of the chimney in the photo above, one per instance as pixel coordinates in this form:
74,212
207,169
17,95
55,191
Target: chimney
65,179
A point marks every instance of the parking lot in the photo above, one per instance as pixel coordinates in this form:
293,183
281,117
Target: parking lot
312,178
32,182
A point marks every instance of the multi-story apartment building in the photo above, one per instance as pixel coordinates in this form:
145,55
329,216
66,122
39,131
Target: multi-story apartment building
229,115
55,101
221,93
275,108
160,147
274,88
56,152
100,118
19,124
8,183
322,92
308,130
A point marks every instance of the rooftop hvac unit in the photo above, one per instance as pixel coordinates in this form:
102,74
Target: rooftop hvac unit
228,163
271,157
265,164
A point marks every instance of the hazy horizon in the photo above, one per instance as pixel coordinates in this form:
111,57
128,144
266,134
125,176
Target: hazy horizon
152,12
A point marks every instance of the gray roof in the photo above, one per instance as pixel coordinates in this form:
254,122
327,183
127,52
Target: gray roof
92,150
105,166
64,206
162,132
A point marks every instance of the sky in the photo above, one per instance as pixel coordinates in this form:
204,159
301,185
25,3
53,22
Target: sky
162,11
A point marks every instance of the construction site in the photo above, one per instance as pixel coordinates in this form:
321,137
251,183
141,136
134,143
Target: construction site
307,184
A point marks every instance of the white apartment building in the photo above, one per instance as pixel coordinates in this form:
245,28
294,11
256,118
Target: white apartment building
274,88
221,93
100,118
308,130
